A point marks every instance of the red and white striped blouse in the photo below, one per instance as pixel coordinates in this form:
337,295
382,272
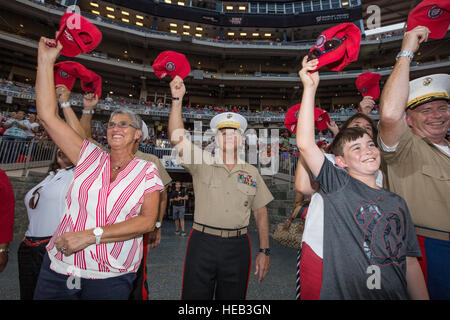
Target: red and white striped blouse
93,201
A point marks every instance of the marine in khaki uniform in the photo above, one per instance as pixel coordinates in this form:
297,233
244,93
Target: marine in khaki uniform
417,157
218,256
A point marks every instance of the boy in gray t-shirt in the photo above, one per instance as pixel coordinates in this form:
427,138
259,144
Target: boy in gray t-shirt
370,246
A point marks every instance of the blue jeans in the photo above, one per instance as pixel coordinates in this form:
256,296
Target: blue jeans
55,286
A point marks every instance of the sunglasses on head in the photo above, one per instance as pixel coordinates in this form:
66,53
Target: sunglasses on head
328,46
33,202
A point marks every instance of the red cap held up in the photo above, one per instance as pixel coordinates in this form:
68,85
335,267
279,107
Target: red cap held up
433,14
171,63
368,84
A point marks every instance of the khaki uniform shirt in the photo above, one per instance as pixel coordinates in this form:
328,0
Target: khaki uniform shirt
224,199
165,178
420,172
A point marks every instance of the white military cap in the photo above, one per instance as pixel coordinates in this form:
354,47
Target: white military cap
427,89
228,120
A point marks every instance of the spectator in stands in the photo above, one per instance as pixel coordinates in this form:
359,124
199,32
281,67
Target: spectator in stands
16,128
8,202
12,144
99,227
45,207
33,126
417,155
178,202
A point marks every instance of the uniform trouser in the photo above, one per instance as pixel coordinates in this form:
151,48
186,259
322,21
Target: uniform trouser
435,263
216,267
30,261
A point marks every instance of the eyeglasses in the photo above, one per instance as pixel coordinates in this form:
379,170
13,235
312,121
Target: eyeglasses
33,203
120,124
327,46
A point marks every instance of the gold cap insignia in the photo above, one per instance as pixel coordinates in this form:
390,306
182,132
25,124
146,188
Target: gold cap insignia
229,116
427,81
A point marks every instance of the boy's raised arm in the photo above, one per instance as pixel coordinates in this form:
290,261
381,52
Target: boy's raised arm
306,142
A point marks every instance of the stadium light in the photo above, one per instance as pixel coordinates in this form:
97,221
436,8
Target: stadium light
186,27
243,34
180,3
140,24
125,13
230,33
199,28
110,16
168,1
173,25
255,34
110,9
94,4
198,35
95,12
173,31
267,34
186,33
139,17
345,3
229,7
125,20
242,8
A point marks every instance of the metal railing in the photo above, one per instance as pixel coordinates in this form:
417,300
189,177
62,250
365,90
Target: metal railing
16,155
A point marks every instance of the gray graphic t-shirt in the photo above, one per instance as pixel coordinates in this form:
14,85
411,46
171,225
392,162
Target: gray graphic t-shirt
368,233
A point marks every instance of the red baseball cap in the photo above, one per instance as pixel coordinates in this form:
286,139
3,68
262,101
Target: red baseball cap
91,82
71,70
321,118
77,35
368,84
171,63
337,47
63,74
433,14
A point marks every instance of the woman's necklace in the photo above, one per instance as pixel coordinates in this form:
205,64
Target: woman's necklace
117,168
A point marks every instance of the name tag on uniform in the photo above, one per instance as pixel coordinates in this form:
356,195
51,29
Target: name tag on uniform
247,179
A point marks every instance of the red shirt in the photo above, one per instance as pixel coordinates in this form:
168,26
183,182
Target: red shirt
8,202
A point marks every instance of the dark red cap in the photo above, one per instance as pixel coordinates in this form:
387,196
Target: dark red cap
335,59
321,118
171,63
77,35
63,74
433,14
368,84
90,81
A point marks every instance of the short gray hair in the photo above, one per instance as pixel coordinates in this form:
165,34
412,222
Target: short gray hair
136,120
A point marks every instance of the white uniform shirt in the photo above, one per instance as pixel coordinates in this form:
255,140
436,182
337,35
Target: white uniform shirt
45,217
93,201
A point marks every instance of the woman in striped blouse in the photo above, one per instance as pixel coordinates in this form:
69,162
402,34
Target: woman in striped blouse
97,247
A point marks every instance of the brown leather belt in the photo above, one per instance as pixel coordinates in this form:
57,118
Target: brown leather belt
34,242
223,233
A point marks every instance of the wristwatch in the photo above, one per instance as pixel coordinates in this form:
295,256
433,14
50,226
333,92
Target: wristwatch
98,232
266,251
408,54
157,225
88,111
